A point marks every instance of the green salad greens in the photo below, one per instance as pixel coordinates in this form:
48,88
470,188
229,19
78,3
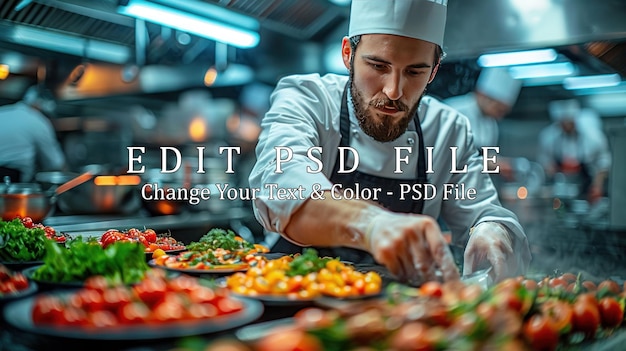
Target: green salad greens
220,238
120,263
306,263
21,244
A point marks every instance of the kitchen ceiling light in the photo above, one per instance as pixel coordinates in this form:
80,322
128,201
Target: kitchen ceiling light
191,23
543,70
588,82
517,58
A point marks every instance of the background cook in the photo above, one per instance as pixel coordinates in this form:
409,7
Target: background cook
392,52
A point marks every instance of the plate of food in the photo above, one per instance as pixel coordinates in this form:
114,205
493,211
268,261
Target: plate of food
50,284
302,279
14,285
200,268
167,320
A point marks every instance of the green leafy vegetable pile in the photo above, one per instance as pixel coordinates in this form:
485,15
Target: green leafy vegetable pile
21,244
220,238
306,263
120,263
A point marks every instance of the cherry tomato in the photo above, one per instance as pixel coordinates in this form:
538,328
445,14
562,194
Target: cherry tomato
47,309
72,316
19,281
611,312
431,288
289,340
560,314
134,313
568,277
541,334
102,319
150,235
98,283
586,317
610,286
151,291
27,222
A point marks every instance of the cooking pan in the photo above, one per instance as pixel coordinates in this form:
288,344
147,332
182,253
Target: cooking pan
30,200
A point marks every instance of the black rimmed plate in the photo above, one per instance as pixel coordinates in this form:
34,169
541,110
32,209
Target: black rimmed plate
16,266
19,315
216,270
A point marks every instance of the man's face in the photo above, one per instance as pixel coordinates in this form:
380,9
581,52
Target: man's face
388,77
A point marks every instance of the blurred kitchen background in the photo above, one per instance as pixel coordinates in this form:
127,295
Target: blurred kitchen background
122,79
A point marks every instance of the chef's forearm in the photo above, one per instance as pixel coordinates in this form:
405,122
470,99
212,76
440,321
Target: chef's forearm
332,222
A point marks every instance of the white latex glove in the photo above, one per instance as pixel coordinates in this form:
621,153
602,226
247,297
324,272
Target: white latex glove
410,246
490,244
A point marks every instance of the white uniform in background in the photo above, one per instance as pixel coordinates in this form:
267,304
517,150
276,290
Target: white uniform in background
28,142
588,146
497,84
309,106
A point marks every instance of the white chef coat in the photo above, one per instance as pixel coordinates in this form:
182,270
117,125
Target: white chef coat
589,146
484,128
28,141
304,113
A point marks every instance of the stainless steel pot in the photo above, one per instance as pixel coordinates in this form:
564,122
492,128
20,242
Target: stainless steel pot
30,200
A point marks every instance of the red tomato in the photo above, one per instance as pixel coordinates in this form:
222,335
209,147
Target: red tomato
168,310
290,340
73,316
115,298
586,317
47,309
202,294
151,291
98,283
558,283
133,233
568,277
610,286
91,300
589,286
19,281
102,319
414,336
150,235
27,222
134,313
201,311
611,312
7,287
431,288
541,334
560,314
184,283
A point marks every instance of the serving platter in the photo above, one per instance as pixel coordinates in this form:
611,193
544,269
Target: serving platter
220,270
30,290
18,314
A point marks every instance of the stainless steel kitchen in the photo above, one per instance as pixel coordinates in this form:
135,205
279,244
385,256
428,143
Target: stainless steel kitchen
163,117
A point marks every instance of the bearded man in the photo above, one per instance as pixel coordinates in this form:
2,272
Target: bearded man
393,51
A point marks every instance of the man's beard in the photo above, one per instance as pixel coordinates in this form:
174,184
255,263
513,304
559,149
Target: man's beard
388,129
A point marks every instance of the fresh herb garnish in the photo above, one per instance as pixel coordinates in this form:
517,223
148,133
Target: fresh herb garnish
308,262
21,244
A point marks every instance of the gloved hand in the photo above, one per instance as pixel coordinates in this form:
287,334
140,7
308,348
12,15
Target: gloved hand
410,246
490,244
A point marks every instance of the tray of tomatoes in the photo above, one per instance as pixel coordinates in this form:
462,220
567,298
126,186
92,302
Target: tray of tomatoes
158,307
150,239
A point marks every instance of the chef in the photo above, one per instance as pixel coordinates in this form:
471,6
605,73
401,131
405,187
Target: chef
575,146
494,96
393,51
28,140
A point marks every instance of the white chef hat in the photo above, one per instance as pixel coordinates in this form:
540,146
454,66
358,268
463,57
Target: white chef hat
499,85
419,19
564,109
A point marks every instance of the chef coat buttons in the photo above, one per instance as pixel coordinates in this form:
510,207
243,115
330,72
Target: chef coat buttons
410,141
355,132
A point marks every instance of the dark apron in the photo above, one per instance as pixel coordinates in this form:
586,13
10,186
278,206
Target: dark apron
348,180
583,175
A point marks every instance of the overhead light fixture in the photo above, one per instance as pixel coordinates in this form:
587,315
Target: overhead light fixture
543,70
4,71
191,23
588,82
517,58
